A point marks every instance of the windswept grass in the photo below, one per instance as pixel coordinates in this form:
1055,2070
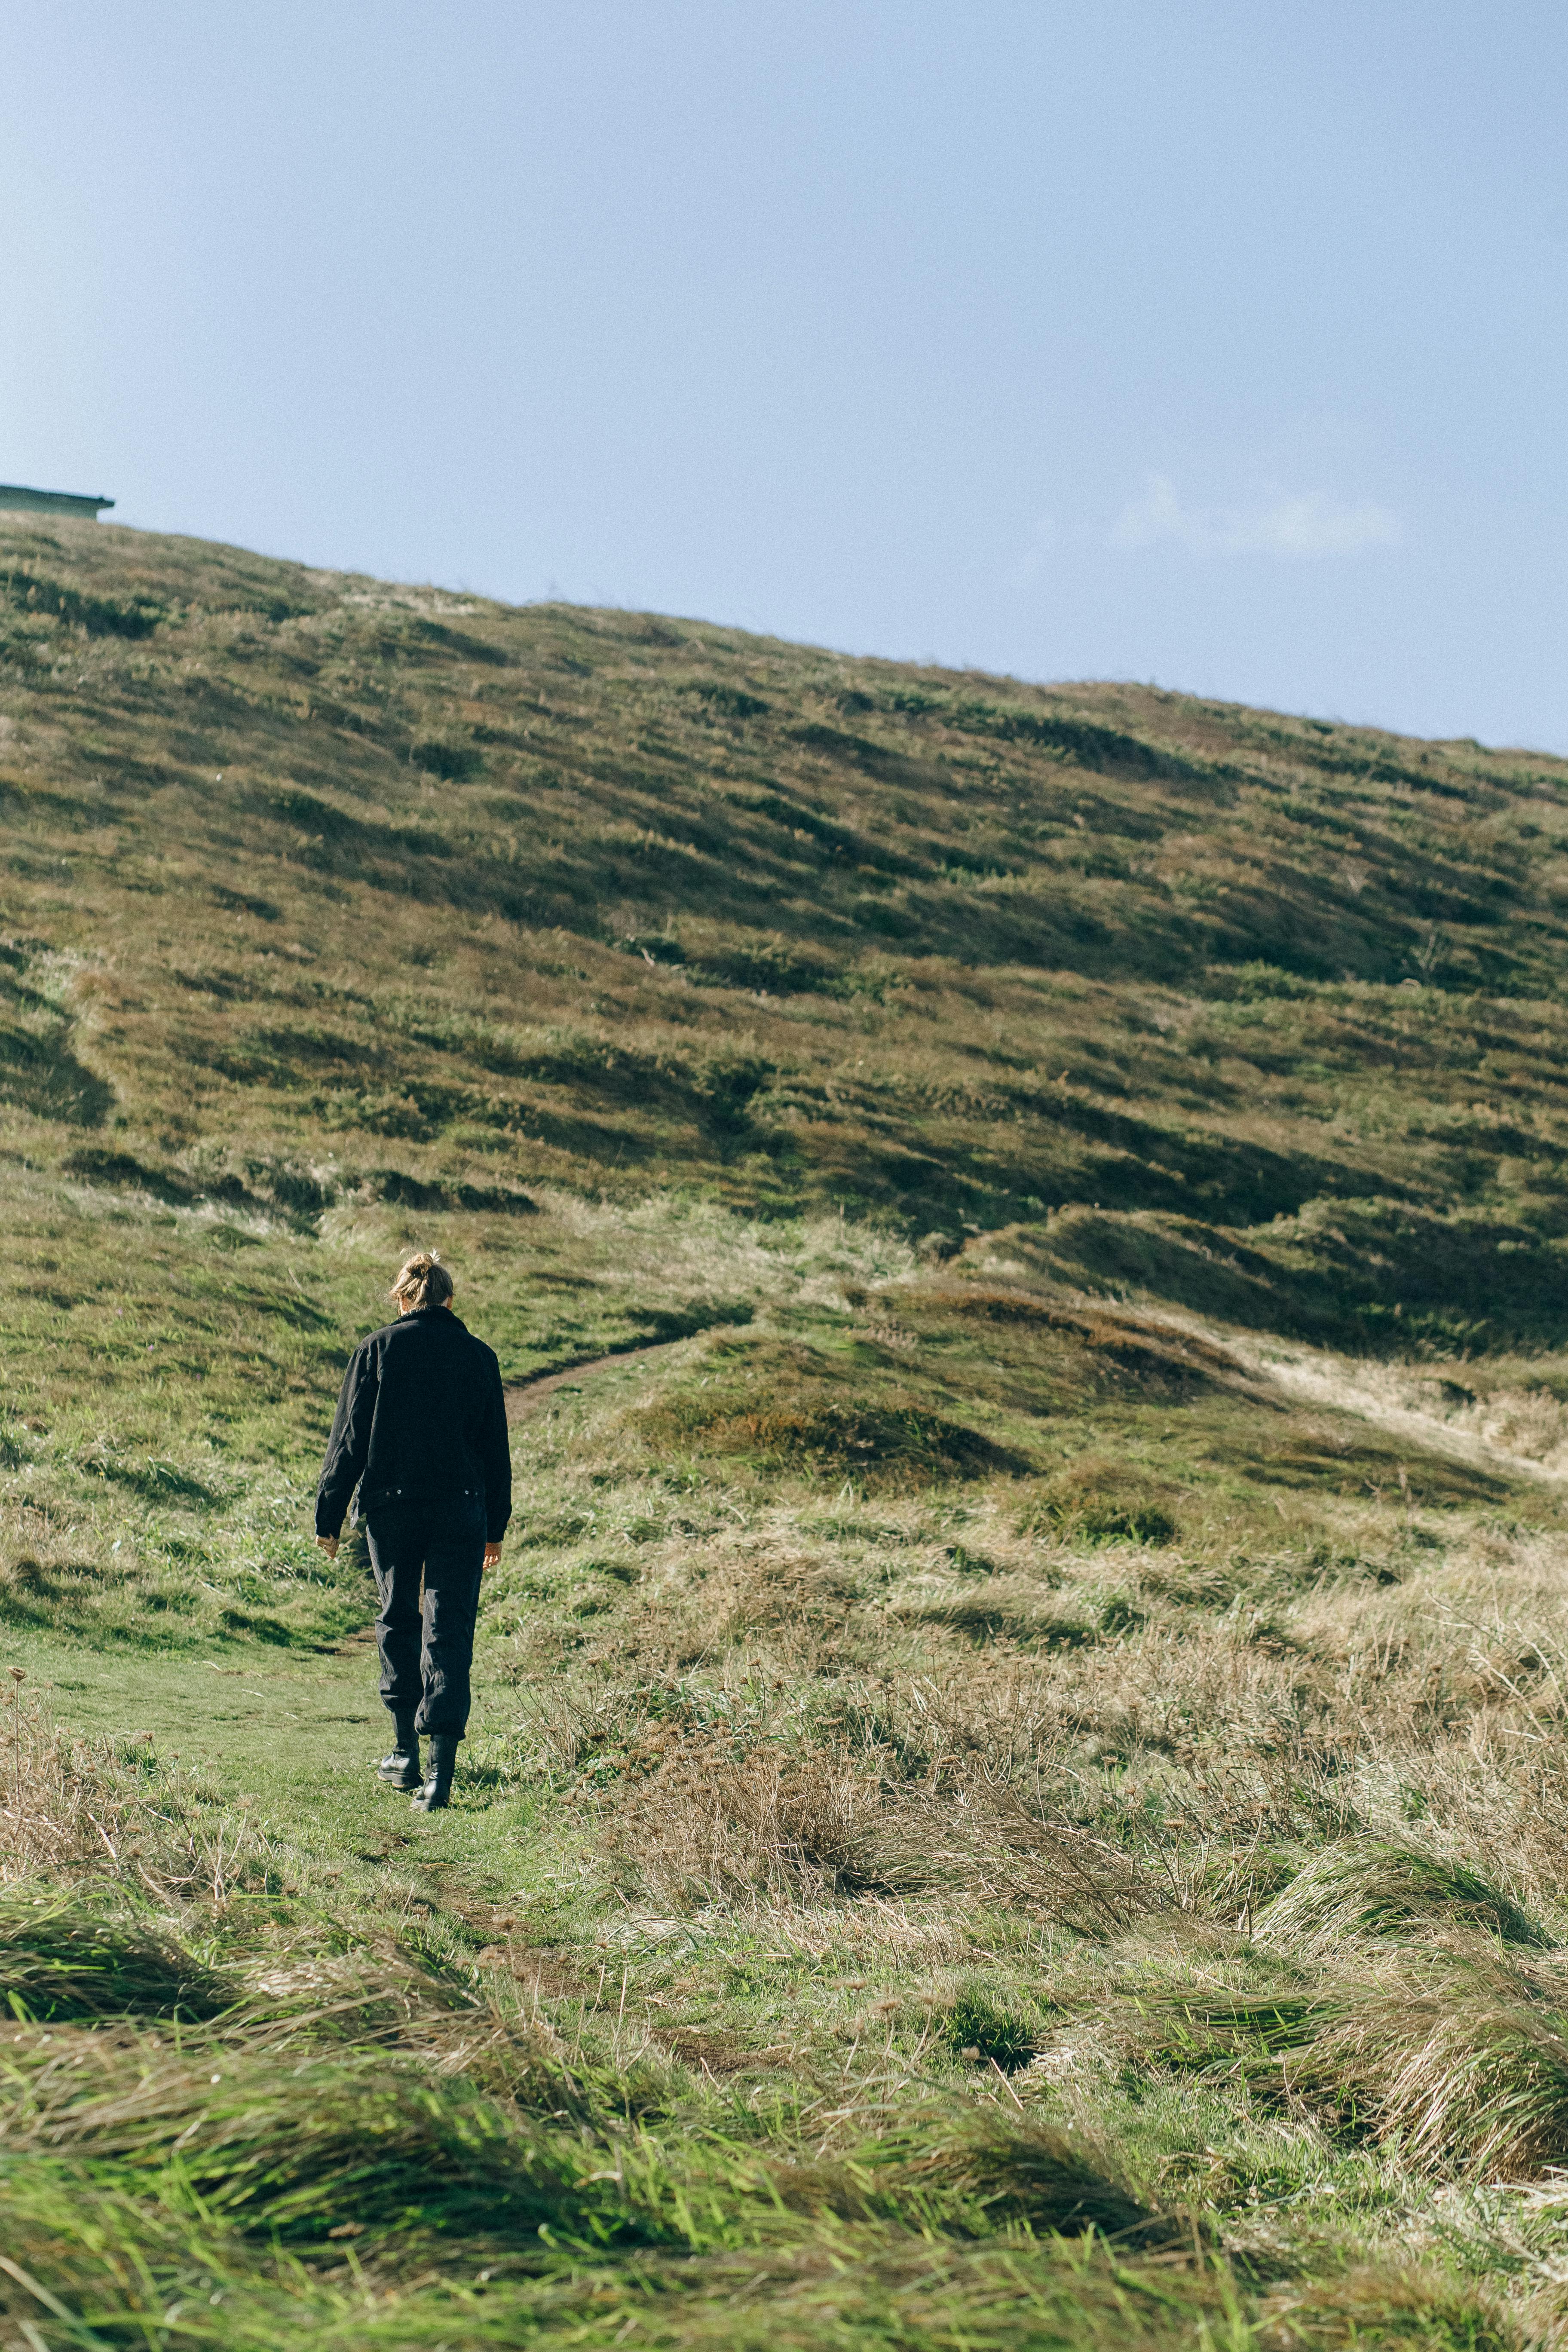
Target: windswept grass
58,1960
1367,1886
1016,1799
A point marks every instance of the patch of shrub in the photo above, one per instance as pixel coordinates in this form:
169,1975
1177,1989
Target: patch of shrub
981,1836
1096,1502
246,1622
241,902
654,946
1374,2309
407,1192
1087,742
974,2173
291,2151
1105,1519
155,1479
890,1442
119,1168
770,967
100,616
1013,1607
455,763
39,1073
1458,2062
977,2026
726,701
709,1825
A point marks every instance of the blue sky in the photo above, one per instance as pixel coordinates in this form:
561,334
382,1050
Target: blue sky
1217,345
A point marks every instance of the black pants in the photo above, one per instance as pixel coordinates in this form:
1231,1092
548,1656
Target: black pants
425,1653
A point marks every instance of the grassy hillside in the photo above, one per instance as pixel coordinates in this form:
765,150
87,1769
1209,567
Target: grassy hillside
1018,1795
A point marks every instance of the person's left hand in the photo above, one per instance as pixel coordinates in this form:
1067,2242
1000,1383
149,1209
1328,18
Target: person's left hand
492,1555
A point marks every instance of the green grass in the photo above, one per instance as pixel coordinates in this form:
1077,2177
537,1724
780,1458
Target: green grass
1016,1794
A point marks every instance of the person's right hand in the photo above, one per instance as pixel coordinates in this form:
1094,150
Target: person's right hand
329,1544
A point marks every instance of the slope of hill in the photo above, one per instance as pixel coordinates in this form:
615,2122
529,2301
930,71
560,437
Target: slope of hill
318,889
1017,1797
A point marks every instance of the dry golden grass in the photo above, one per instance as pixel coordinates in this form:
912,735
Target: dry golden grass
57,1807
69,1808
1374,2310
706,1825
1043,1703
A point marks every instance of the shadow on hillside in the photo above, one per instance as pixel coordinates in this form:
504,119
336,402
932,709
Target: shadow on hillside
1057,1149
1326,1459
39,1073
1370,1274
789,1406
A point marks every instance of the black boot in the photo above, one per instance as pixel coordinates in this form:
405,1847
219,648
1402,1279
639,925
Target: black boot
437,1788
401,1768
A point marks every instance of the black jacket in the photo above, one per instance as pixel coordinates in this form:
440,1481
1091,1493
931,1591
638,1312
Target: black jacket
421,1417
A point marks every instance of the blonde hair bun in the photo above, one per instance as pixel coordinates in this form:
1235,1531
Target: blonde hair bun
422,1281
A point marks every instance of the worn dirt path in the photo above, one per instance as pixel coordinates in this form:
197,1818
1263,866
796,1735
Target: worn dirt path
297,1731
526,1396
1374,1392
1378,1394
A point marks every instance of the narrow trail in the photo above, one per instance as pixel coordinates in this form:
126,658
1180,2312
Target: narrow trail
253,1720
293,1733
1377,1393
256,1723
1374,1392
524,1397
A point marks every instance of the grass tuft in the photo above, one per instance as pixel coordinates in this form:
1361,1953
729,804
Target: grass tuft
1378,2310
64,1961
977,2026
1372,1887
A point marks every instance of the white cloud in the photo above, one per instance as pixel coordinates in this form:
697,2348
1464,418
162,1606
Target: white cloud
1278,524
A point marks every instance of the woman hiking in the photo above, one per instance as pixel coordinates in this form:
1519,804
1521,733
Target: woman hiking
420,1429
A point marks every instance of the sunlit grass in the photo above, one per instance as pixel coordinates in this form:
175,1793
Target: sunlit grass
1017,1797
